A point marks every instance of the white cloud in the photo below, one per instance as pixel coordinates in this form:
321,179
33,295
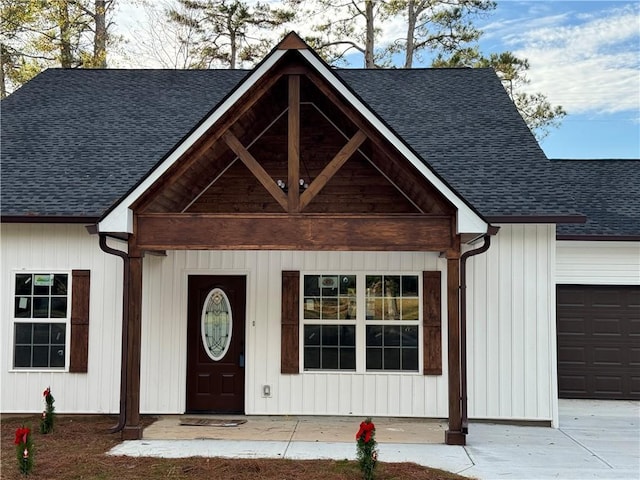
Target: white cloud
587,62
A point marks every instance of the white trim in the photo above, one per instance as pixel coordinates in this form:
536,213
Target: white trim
120,219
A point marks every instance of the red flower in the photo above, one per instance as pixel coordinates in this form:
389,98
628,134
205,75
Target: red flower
366,429
21,435
47,392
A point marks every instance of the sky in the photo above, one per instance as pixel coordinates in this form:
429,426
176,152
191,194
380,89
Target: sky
583,55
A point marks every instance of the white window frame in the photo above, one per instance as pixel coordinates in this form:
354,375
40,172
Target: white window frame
361,323
66,320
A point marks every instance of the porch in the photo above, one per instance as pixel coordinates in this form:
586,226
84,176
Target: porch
293,428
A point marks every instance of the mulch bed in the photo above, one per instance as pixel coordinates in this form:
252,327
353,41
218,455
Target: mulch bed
77,450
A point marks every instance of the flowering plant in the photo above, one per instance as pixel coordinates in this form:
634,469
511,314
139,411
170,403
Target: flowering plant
366,443
46,423
24,449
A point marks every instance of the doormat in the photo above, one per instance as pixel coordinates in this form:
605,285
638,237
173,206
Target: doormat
211,422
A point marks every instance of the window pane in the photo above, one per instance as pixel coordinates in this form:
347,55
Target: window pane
410,336
59,286
329,308
23,333
57,356
348,335
409,286
312,334
40,307
24,283
374,309
410,359
311,357
58,307
391,336
311,308
330,335
346,311
391,309
40,356
374,335
58,333
329,285
42,283
392,359
23,307
348,285
374,358
312,285
410,309
392,286
374,285
40,333
22,357
330,358
348,358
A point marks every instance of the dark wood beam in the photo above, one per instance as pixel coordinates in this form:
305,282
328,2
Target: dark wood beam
255,168
293,142
204,231
133,427
454,434
334,165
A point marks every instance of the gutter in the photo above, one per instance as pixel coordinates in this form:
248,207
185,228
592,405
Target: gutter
463,322
125,329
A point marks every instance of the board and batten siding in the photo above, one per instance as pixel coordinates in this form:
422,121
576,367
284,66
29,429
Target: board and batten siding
41,248
597,263
511,343
164,326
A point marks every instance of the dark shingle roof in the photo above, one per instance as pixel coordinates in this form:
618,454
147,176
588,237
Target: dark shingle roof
607,192
75,141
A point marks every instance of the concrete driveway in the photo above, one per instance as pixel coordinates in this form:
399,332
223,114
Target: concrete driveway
596,440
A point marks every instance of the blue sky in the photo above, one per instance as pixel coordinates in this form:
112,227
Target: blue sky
585,56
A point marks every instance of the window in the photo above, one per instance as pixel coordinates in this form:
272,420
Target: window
392,320
384,308
41,316
329,303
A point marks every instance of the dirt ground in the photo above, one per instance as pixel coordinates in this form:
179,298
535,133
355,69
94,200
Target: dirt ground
77,450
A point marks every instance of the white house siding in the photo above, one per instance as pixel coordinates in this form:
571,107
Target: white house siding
163,376
43,248
511,326
598,263
511,341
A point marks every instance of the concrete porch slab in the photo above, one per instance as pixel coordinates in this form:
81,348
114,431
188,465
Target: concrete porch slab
297,429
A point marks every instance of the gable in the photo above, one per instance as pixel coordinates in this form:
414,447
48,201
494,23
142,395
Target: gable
254,125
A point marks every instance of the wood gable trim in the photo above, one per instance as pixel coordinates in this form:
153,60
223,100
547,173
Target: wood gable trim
294,232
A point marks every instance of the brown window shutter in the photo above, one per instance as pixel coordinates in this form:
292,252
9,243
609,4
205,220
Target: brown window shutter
81,282
290,321
432,322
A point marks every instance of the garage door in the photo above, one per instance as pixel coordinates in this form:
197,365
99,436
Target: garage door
598,341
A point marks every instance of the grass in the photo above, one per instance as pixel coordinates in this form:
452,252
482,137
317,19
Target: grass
77,450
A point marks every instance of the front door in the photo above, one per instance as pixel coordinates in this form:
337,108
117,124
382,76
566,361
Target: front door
215,344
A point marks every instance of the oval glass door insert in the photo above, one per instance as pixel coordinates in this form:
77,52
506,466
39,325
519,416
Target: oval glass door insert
217,324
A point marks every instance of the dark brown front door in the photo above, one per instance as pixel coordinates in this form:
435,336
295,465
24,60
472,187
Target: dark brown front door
215,367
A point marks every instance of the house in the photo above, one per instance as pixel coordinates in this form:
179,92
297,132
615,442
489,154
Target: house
297,239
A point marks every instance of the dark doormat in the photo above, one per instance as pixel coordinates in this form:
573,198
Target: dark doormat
211,422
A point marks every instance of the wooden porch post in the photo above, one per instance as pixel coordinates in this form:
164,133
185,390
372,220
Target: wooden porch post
454,435
133,427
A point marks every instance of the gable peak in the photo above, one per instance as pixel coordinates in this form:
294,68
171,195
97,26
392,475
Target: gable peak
292,41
